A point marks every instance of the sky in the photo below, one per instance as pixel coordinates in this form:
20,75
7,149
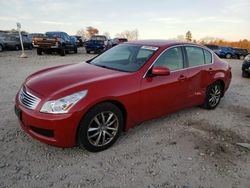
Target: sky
154,19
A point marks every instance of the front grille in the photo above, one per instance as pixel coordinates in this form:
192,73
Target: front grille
27,99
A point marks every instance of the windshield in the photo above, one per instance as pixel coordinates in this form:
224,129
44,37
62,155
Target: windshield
127,58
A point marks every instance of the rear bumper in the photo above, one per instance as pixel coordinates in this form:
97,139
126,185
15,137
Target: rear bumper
58,130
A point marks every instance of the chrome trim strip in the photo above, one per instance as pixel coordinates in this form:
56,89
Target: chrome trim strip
182,45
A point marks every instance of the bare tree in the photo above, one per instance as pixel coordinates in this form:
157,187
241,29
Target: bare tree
130,35
107,34
180,37
81,33
208,39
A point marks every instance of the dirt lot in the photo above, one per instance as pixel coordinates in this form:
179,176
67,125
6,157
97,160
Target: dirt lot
190,148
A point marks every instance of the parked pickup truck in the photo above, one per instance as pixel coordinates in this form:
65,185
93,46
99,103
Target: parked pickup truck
59,42
97,44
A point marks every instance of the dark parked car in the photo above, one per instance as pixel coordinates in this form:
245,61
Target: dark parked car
97,44
117,41
59,42
246,67
91,103
12,42
2,46
240,53
222,51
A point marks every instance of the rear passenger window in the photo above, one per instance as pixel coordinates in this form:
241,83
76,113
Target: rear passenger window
172,59
195,56
208,57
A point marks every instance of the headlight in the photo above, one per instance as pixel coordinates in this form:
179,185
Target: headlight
63,105
247,58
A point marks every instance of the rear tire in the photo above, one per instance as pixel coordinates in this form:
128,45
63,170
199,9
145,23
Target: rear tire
39,51
100,127
213,95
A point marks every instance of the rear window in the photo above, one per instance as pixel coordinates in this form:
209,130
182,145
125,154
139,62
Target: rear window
54,34
195,56
98,38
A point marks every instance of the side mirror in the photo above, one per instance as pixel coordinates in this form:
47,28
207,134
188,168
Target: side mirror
160,71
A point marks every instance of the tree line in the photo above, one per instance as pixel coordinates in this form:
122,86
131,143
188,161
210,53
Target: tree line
216,41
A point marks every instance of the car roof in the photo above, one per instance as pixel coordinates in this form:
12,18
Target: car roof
160,43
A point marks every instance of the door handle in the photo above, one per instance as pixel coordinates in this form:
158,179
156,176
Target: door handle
182,77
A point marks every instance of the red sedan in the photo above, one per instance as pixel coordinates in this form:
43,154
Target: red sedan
90,103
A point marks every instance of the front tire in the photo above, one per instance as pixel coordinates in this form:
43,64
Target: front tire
100,128
1,48
213,95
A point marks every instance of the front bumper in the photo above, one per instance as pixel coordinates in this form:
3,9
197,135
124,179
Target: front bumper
54,129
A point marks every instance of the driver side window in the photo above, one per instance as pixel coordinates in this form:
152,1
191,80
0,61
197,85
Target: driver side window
172,59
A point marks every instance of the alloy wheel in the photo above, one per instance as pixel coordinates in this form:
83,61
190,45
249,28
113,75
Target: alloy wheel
103,128
214,96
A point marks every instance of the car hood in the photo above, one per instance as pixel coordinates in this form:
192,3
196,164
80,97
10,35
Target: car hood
55,80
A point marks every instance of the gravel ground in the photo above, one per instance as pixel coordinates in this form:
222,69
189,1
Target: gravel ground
190,148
